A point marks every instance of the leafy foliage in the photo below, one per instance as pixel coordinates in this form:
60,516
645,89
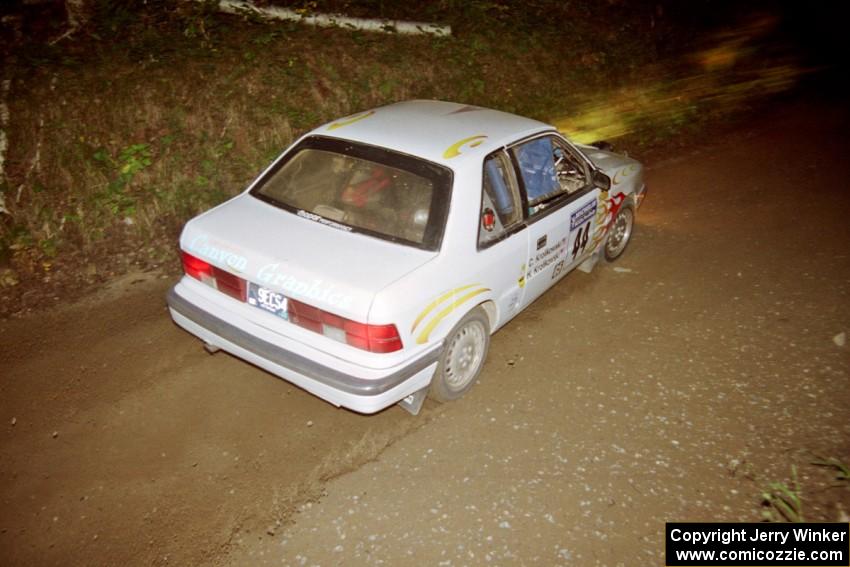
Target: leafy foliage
158,109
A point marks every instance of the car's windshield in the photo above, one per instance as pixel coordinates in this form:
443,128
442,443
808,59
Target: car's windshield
369,189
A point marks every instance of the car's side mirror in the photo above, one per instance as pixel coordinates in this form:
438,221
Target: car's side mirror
601,180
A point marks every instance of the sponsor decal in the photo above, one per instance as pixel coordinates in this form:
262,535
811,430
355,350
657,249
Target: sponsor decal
521,281
273,276
488,219
471,142
584,214
559,268
350,120
460,295
204,246
322,220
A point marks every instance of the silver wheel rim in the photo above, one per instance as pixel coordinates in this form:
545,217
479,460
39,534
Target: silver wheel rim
620,233
465,354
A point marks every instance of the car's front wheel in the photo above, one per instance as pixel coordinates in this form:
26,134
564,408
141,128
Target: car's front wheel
619,234
462,358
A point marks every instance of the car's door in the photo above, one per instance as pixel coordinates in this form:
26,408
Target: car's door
502,236
560,208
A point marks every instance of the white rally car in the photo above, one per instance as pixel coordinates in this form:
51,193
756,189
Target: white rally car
371,261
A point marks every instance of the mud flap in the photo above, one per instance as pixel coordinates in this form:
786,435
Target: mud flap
590,262
413,402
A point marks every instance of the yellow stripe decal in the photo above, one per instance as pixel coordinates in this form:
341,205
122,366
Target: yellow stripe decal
352,120
454,149
423,336
430,307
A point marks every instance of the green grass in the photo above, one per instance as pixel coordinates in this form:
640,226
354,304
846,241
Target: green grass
840,469
784,501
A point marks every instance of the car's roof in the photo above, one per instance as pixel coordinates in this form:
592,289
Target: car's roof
443,132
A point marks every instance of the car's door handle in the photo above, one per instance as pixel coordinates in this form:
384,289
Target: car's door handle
541,242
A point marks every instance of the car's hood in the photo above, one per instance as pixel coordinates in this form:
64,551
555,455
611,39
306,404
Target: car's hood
606,161
323,266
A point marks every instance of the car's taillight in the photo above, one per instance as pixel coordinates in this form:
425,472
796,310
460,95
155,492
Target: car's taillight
222,280
197,268
374,338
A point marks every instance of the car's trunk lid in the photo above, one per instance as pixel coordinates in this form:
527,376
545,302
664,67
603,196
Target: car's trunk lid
326,267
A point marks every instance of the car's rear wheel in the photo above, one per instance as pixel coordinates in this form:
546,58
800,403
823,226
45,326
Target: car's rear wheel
619,234
463,357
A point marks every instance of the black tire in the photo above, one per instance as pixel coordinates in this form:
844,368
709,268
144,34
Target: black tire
620,233
463,357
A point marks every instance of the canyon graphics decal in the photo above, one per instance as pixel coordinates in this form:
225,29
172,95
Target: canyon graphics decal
207,248
273,276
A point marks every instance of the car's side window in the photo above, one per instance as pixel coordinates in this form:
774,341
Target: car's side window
500,203
550,171
572,171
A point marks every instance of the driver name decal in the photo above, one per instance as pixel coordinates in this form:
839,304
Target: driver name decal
545,258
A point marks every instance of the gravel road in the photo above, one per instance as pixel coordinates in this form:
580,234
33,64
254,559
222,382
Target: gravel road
670,386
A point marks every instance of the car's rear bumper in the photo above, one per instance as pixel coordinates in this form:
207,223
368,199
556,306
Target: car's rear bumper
365,394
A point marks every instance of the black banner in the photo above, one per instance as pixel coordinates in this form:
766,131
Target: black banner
758,545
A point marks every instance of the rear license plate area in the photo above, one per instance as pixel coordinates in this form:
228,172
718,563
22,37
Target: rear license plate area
268,300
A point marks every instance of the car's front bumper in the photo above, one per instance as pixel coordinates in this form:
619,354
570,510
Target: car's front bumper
366,393
640,195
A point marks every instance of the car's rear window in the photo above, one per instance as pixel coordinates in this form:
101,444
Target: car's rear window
363,188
